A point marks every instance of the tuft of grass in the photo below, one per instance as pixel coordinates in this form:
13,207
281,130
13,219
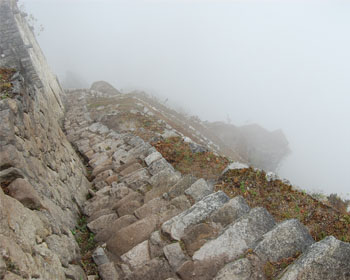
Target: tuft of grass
86,242
5,83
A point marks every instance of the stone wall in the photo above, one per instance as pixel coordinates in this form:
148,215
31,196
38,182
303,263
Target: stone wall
43,183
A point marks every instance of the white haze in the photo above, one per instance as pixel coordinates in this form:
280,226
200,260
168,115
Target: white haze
282,64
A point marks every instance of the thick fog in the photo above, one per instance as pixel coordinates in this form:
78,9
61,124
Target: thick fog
281,64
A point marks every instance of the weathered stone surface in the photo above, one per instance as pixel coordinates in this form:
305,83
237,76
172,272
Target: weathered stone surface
132,196
284,241
99,213
105,165
75,272
104,191
156,244
96,204
199,190
128,237
102,222
159,165
99,256
111,179
119,191
230,212
99,128
154,269
114,227
152,158
65,248
107,271
174,255
196,236
238,237
135,179
176,226
161,182
154,206
119,156
129,207
137,256
132,168
327,259
195,270
238,270
24,192
180,187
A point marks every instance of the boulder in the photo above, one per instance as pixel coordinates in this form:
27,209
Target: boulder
137,256
238,237
283,241
174,255
230,212
327,259
199,189
176,226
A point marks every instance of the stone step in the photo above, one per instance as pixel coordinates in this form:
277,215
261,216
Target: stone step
177,225
238,237
327,259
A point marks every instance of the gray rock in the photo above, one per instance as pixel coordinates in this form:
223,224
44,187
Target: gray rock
154,269
137,256
174,255
154,206
136,177
102,222
180,187
176,226
65,248
199,190
327,259
120,155
159,165
156,244
128,237
284,241
230,212
24,192
196,148
152,158
99,256
238,237
169,134
234,166
75,272
238,270
107,271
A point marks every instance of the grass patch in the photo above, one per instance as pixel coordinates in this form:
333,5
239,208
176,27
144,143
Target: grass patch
201,165
285,203
5,82
85,239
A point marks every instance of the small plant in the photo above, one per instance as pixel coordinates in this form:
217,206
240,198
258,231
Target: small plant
242,187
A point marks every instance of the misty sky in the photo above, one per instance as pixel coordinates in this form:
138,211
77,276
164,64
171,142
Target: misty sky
282,64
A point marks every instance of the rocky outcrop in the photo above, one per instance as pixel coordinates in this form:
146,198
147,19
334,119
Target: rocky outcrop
43,183
153,223
261,148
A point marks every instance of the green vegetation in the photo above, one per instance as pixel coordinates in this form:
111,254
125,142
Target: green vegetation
5,83
85,240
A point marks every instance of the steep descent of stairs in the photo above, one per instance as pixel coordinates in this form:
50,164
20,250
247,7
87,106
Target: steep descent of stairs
151,222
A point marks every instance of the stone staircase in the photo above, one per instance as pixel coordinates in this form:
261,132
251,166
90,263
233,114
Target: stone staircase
150,222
